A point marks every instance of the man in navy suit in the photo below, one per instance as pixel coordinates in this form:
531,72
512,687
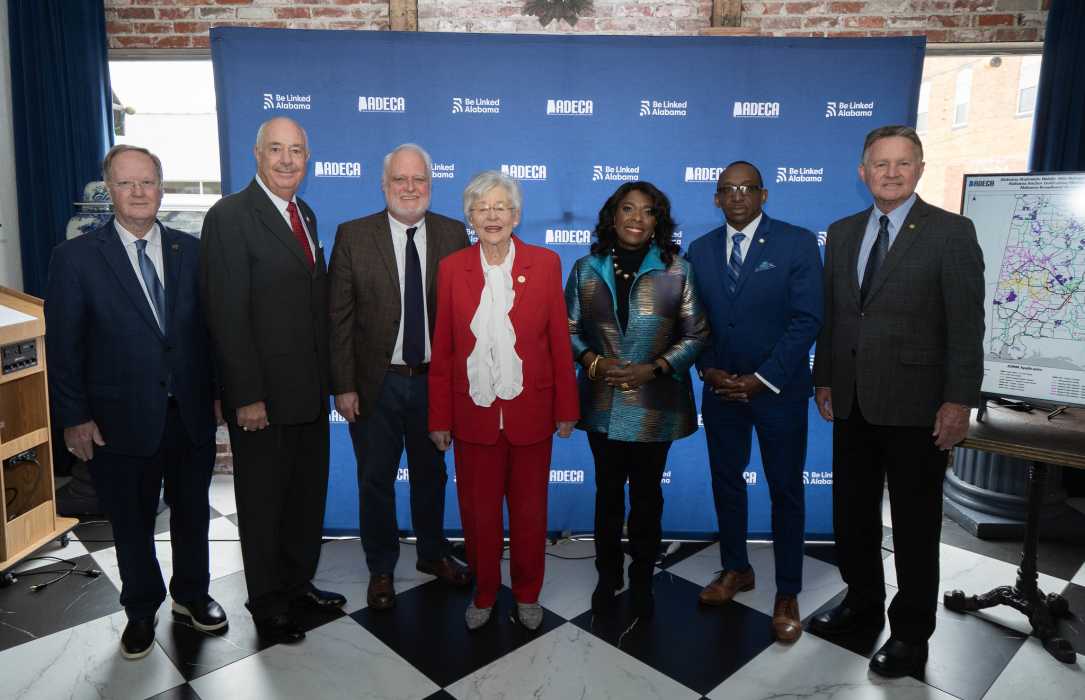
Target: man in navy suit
131,383
760,282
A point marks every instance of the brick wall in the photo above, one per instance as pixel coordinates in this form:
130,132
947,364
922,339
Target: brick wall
184,23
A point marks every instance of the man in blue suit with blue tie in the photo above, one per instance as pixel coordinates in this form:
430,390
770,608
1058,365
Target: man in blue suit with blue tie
760,282
131,383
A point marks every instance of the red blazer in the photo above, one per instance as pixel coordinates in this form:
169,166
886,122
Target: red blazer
541,323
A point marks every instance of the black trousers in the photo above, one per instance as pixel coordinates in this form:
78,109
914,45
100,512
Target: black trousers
641,464
128,488
280,485
399,419
864,455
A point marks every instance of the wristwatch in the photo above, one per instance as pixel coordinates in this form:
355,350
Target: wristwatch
657,370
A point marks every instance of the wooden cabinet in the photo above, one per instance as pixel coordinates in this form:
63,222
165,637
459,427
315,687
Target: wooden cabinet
28,518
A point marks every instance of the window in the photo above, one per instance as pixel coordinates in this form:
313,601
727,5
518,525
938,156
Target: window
924,107
1028,79
962,96
999,127
168,107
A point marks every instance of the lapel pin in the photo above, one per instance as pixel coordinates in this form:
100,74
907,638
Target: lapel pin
911,225
175,247
760,240
521,279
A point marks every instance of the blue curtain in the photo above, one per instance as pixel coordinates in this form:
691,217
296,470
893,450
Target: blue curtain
62,117
1058,132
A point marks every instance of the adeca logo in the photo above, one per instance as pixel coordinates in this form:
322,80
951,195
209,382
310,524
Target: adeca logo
788,174
664,108
443,171
570,108
615,173
566,476
756,110
835,110
368,103
329,168
568,236
273,100
523,171
695,173
476,105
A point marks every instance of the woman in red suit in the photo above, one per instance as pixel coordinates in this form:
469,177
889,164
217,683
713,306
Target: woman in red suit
501,382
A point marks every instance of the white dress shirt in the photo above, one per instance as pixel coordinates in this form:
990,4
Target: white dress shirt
744,249
399,245
281,205
154,254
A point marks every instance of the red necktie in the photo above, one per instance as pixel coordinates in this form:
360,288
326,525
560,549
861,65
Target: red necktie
299,233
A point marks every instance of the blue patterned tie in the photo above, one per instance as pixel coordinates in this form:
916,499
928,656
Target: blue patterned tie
154,285
414,310
877,257
734,263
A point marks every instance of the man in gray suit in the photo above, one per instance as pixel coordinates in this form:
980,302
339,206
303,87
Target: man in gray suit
383,289
898,364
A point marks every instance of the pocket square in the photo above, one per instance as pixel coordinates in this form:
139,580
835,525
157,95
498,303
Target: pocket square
765,265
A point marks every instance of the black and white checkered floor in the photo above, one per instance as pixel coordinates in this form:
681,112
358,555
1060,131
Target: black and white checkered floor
63,641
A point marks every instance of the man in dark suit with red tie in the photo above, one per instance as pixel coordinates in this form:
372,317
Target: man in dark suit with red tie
898,364
130,381
265,291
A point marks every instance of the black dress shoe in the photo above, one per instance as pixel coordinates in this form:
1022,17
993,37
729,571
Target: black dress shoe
843,619
278,629
381,594
138,637
899,658
321,600
448,570
205,614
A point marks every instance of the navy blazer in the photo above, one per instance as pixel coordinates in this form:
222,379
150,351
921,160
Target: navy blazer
768,325
108,360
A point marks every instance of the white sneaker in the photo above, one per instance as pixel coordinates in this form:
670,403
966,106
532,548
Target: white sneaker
476,617
530,614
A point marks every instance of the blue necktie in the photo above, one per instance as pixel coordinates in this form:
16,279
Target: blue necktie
877,257
154,285
734,263
414,314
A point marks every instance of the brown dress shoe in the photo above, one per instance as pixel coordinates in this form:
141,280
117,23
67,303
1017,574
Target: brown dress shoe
786,622
381,594
448,570
726,585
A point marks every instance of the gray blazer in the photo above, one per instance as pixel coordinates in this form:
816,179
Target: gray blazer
919,340
365,300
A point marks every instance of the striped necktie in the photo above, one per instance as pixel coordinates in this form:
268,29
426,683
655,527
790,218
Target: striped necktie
734,263
154,285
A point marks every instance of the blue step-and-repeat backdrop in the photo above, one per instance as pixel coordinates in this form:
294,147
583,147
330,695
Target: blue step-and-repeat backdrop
572,117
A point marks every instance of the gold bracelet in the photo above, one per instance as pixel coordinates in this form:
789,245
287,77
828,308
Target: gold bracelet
591,368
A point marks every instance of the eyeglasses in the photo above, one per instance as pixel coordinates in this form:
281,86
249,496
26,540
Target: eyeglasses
739,189
499,209
129,185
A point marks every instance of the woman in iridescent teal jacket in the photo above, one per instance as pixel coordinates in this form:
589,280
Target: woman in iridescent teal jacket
636,326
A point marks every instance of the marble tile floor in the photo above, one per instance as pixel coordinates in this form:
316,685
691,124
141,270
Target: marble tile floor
62,641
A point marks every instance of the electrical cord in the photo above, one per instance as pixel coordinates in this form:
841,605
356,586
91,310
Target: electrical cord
63,573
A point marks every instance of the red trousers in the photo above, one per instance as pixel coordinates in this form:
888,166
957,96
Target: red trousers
486,475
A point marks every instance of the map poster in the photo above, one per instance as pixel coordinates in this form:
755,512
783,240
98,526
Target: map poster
1032,231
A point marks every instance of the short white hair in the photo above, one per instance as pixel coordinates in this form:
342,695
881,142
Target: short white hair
484,182
263,128
406,147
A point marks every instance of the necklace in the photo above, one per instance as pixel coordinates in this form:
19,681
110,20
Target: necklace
618,272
